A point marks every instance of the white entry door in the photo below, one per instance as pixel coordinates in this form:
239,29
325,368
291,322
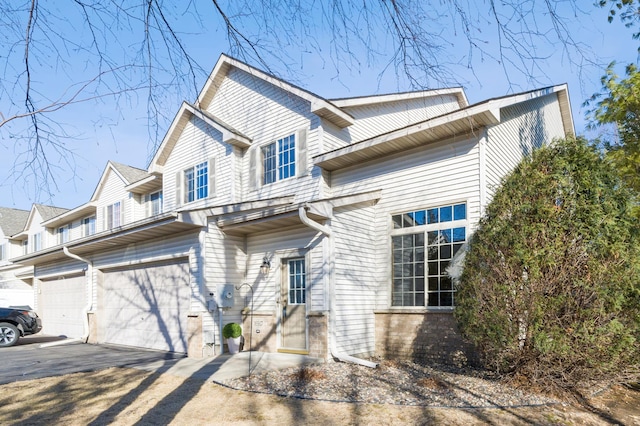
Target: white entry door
293,329
146,306
61,302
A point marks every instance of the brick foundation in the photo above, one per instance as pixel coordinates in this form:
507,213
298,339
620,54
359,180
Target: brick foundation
422,337
263,335
318,335
93,328
194,336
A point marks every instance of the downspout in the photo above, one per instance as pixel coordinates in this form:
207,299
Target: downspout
85,310
302,212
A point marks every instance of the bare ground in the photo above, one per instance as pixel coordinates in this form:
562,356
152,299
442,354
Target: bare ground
130,396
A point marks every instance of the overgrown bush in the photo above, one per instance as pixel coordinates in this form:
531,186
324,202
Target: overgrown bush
550,291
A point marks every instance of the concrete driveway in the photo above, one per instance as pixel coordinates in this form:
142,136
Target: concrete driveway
38,356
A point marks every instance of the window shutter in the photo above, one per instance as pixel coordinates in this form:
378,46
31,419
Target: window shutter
254,172
212,177
301,149
146,200
122,209
104,219
178,189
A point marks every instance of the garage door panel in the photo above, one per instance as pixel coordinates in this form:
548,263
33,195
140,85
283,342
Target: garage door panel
147,306
61,304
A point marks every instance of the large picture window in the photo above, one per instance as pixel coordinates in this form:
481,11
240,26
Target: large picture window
279,160
425,242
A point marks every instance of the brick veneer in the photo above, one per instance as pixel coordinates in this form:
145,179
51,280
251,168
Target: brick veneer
194,336
318,335
263,333
421,336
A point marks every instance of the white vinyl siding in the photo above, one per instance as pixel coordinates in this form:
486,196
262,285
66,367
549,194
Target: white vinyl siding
225,264
266,113
524,127
375,119
443,173
198,146
355,279
113,192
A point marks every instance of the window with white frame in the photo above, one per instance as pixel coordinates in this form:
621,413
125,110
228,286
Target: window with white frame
25,246
37,241
3,252
154,203
196,182
279,160
114,212
425,243
88,226
63,234
297,292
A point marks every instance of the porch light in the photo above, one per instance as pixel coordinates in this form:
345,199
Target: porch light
265,267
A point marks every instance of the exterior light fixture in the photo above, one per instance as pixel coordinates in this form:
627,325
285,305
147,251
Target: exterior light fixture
265,267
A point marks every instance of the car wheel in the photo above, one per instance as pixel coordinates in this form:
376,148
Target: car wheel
9,334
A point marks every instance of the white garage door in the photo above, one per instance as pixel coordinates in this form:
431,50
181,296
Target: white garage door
61,303
146,306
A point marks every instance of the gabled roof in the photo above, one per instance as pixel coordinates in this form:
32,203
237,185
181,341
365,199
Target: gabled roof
319,106
229,134
12,221
82,211
46,213
458,92
128,174
458,123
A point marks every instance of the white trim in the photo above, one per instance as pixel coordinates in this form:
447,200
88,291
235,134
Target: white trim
458,92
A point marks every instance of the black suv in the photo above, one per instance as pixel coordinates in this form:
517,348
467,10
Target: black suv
15,323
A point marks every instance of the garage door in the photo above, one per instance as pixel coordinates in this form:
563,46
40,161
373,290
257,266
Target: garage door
146,306
61,302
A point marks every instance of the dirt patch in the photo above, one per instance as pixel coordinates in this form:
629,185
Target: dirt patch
127,396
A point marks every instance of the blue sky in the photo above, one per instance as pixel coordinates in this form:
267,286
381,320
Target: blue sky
115,128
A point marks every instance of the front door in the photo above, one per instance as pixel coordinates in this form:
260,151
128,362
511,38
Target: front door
294,306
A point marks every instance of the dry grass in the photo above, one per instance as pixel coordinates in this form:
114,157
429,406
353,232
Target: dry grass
127,396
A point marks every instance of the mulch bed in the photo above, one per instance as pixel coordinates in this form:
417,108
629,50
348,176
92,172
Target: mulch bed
393,382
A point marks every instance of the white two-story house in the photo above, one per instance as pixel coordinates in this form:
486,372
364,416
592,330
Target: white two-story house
330,228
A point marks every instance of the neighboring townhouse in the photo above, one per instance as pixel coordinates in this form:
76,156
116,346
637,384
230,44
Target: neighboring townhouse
15,280
329,228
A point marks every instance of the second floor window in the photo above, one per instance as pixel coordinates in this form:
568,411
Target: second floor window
113,215
3,252
196,182
88,226
154,205
63,234
279,160
37,241
25,247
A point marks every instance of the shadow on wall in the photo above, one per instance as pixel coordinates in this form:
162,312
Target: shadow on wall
146,307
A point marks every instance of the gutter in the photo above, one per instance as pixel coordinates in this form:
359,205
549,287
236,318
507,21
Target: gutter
87,308
302,212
